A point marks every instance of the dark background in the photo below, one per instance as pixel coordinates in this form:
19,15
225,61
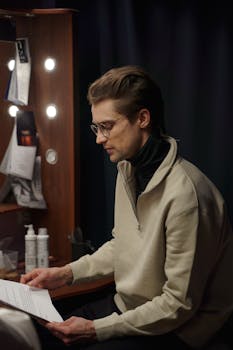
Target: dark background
187,47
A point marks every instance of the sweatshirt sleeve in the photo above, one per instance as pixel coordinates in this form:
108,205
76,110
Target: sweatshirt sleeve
94,266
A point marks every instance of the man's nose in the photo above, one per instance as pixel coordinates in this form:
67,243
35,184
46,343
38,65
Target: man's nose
100,138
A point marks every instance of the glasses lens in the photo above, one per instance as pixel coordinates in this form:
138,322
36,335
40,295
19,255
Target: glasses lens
105,132
94,128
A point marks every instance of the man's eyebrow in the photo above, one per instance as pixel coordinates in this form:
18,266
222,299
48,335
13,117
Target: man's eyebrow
104,122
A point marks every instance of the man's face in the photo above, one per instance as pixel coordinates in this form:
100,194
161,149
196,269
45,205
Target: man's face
120,138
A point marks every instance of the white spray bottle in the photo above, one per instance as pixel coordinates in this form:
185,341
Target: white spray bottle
30,249
42,247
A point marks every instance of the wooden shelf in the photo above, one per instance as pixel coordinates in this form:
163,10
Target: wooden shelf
6,207
9,13
82,288
67,291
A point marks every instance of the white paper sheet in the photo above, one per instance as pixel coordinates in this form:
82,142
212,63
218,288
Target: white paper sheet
34,301
20,78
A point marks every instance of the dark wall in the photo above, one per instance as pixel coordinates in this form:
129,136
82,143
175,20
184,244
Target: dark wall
187,46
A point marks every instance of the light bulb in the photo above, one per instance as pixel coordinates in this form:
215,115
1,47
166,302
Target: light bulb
51,111
12,110
49,64
11,64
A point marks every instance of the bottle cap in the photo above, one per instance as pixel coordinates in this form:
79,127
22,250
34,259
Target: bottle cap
30,230
42,231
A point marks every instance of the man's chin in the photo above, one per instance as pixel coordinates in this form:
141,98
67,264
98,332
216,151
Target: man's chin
114,159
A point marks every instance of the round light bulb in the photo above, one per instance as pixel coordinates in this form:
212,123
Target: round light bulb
49,64
12,110
51,111
11,64
51,156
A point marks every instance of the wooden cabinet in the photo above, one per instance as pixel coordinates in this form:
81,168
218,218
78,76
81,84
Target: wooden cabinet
51,33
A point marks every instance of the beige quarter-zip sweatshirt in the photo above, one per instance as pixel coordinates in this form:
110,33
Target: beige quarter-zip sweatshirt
171,255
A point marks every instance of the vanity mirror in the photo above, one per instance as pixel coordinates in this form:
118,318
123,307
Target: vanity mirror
51,35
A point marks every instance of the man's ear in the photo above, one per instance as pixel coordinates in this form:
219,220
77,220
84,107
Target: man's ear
144,118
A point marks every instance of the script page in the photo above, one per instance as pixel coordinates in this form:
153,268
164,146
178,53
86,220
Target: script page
34,301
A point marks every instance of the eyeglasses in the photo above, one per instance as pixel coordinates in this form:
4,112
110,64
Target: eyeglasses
104,127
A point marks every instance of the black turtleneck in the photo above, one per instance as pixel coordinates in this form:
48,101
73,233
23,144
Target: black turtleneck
147,161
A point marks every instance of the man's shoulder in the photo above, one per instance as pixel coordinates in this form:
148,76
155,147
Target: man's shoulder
190,174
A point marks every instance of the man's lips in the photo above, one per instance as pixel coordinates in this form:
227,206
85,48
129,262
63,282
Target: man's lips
109,150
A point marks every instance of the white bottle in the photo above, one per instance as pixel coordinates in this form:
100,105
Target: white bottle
42,247
30,249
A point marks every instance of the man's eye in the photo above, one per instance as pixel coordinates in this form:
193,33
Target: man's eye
107,126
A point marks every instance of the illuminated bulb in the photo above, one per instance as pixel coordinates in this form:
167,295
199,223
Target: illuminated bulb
12,110
49,64
51,111
11,65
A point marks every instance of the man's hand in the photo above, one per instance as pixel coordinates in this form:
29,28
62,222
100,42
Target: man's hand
74,329
49,278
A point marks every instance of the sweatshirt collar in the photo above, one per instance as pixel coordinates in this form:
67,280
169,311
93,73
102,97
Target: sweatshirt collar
147,161
126,169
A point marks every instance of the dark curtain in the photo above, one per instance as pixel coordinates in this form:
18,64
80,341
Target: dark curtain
187,48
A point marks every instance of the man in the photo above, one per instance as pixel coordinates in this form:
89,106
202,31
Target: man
172,246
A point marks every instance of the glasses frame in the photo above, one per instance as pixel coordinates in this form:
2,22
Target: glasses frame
104,127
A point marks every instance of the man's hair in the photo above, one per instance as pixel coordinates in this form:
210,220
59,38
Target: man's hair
132,89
